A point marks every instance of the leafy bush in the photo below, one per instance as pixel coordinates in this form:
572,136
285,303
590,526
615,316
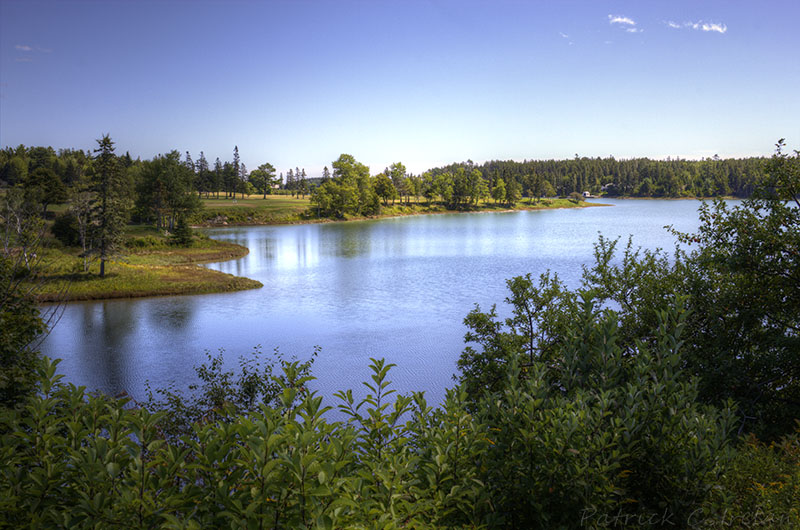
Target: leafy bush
72,460
582,424
740,274
591,434
222,395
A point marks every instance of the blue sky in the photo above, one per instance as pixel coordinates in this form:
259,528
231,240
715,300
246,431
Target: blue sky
296,83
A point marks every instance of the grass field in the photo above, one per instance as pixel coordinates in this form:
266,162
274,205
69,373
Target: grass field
150,267
254,209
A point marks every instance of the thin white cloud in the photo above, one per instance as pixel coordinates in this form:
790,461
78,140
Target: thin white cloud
620,19
23,47
563,35
634,30
699,26
719,28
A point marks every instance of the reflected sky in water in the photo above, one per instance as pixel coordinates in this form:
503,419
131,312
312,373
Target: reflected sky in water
395,288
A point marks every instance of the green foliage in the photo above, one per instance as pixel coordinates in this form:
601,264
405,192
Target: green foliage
44,187
263,178
223,394
65,229
148,241
638,177
740,274
532,455
582,422
111,203
384,188
349,192
761,487
165,192
21,233
513,193
20,325
76,460
499,191
182,235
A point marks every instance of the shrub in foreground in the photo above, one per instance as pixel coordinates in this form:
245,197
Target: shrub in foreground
594,436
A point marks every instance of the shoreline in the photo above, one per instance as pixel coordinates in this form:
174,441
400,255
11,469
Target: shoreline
146,274
175,271
393,215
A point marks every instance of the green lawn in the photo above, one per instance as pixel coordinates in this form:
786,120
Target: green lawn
254,209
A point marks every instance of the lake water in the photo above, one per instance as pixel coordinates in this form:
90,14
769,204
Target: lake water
394,288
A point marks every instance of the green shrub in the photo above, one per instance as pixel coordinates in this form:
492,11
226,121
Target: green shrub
147,241
593,434
760,487
182,235
65,229
584,427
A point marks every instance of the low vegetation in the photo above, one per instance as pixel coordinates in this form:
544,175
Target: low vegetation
153,265
252,210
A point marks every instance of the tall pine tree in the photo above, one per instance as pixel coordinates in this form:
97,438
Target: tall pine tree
110,210
232,177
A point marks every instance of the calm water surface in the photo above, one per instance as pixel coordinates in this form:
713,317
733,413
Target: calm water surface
394,288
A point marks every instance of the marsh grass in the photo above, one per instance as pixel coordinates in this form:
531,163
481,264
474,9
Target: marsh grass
151,266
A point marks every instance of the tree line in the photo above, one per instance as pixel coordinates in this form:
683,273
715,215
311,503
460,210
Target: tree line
637,177
55,172
351,190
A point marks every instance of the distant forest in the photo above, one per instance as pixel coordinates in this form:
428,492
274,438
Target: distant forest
638,177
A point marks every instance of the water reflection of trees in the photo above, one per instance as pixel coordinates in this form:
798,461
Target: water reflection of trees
345,240
106,326
174,314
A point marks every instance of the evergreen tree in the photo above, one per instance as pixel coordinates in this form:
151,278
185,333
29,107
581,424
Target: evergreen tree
203,183
188,162
218,176
111,205
290,184
183,232
233,175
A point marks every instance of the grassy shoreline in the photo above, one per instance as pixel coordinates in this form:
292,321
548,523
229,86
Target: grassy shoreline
284,211
159,270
